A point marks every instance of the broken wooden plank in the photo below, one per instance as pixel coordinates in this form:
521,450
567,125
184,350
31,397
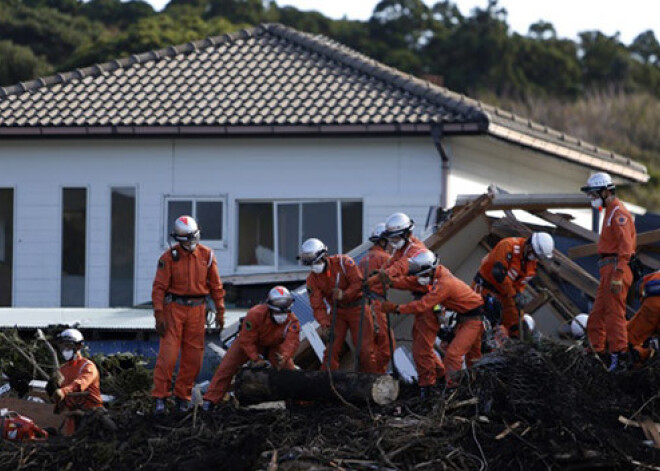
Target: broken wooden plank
458,220
531,202
645,238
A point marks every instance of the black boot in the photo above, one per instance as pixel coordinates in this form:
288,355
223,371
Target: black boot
620,362
424,392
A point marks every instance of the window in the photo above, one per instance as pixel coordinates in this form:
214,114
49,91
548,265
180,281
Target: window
208,212
6,244
285,225
122,247
74,244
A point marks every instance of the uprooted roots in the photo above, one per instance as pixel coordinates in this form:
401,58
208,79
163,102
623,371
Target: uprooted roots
530,406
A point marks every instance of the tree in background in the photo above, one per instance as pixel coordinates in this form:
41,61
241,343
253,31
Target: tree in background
19,63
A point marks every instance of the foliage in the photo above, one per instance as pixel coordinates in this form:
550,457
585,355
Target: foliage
19,63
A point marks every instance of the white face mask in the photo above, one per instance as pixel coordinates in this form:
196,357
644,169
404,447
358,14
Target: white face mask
424,280
397,245
597,203
67,354
280,318
318,267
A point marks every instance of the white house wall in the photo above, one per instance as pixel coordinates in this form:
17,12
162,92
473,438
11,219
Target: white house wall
387,174
479,161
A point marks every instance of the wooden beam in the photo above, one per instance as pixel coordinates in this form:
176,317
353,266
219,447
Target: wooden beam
645,238
531,202
458,220
586,234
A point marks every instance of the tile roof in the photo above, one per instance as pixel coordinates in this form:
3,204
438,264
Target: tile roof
264,80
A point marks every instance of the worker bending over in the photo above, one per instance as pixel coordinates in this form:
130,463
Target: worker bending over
505,272
441,288
644,327
269,333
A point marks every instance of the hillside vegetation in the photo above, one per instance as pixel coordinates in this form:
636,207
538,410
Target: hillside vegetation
595,88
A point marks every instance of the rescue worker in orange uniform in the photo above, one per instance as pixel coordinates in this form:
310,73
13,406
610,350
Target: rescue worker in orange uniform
80,388
376,258
270,332
646,322
442,288
187,273
398,232
617,243
505,272
336,280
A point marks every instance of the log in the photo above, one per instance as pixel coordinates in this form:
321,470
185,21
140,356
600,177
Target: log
254,385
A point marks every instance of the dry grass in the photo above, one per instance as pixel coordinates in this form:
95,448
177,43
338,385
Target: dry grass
626,124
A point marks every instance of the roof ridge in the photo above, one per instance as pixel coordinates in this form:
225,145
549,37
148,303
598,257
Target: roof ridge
154,54
356,60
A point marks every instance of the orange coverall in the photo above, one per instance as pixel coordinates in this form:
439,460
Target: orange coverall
646,321
447,290
259,335
194,275
375,259
507,257
617,243
319,289
398,263
80,375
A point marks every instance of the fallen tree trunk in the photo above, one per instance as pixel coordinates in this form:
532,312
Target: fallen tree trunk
265,384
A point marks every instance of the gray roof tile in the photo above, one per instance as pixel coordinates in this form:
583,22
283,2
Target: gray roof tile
268,75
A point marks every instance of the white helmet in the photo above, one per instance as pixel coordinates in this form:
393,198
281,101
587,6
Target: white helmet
529,320
542,245
597,182
377,233
311,251
279,299
398,225
579,325
70,335
186,232
422,263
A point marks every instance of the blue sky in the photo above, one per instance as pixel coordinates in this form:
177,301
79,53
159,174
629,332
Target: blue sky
568,16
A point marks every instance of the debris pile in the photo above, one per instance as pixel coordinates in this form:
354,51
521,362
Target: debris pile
532,405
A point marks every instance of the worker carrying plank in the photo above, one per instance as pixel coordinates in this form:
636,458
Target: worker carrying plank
270,332
616,246
376,258
80,387
644,327
505,272
336,281
440,287
187,274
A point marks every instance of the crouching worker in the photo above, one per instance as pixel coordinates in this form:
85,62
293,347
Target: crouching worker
505,272
80,387
443,288
644,327
270,331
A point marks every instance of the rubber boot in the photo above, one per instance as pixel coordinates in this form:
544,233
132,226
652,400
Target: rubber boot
159,406
181,404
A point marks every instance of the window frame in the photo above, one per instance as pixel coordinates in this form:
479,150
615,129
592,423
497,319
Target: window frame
215,244
275,267
13,255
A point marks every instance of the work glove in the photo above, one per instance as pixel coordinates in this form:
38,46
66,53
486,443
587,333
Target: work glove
161,325
337,294
389,306
616,284
58,395
258,363
324,333
280,360
384,278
